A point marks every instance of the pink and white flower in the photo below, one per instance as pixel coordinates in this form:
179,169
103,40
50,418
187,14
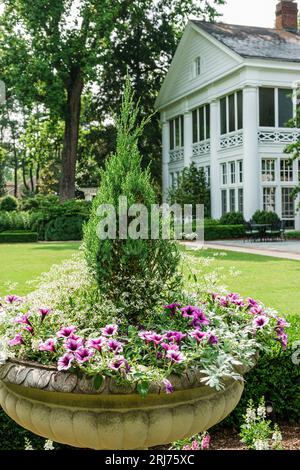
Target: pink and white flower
48,345
83,355
109,330
65,362
66,332
17,340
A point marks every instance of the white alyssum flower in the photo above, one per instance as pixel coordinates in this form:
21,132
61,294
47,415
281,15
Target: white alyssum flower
261,444
48,445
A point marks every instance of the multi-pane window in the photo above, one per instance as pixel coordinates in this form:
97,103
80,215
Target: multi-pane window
176,132
224,173
207,172
240,171
286,170
269,199
288,203
232,200
224,201
201,124
232,172
268,170
241,200
172,178
197,66
275,107
231,112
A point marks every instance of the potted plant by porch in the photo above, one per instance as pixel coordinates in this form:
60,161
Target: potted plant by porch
110,352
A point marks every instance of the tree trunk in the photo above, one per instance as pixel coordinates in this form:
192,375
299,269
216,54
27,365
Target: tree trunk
72,121
16,166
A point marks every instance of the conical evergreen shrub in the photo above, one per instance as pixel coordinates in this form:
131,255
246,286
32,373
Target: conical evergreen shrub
133,273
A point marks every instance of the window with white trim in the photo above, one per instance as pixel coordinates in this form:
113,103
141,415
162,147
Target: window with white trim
207,173
224,201
232,172
241,200
201,124
269,199
267,170
197,66
275,107
240,171
224,173
232,200
288,203
176,132
286,170
231,112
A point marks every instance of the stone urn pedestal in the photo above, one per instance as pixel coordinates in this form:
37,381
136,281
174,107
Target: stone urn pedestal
66,408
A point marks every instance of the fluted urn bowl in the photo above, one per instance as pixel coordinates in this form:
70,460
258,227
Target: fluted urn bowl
66,408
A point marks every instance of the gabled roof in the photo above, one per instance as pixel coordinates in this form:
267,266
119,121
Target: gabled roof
254,42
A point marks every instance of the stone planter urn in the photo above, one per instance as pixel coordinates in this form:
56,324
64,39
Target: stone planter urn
66,408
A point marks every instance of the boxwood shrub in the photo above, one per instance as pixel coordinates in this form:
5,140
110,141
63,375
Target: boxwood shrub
8,203
277,378
223,232
65,228
293,235
232,218
18,237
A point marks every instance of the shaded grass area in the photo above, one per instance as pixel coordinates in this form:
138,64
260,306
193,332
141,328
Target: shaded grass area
20,263
274,281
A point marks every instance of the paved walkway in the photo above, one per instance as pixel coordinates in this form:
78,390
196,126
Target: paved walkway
287,250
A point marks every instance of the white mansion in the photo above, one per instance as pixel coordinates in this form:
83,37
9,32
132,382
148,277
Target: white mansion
225,104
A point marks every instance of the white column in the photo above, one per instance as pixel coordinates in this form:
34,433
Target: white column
188,138
215,190
252,180
165,158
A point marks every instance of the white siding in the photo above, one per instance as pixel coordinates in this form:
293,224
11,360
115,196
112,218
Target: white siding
180,80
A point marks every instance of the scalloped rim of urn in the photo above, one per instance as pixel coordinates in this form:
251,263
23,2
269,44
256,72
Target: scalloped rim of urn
48,378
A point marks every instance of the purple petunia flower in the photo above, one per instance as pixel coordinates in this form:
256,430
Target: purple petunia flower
119,363
168,386
24,319
115,346
175,356
282,323
109,330
175,336
256,310
10,299
48,345
72,345
152,337
283,338
212,339
44,312
260,321
236,300
251,302
188,312
29,328
65,362
96,343
198,335
83,355
66,332
17,340
172,346
172,308
199,319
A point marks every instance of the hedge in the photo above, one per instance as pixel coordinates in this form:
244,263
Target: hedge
18,237
277,378
223,232
11,221
293,235
64,229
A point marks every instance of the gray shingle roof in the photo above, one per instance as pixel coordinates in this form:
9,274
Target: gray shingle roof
254,42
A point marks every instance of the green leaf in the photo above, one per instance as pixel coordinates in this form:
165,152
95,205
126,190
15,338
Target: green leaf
143,389
98,381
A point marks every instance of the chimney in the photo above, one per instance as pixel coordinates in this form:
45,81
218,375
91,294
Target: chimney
287,15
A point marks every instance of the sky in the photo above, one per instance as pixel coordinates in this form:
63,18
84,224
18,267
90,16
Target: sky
250,12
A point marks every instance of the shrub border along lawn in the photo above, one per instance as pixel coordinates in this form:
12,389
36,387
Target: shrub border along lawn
18,237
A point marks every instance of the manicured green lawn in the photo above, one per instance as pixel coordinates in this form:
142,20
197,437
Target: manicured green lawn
274,281
23,262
